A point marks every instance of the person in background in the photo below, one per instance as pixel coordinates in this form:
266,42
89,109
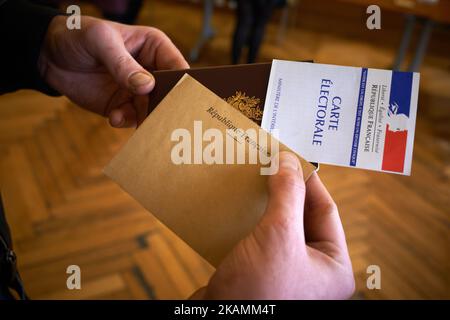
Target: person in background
123,11
252,17
298,249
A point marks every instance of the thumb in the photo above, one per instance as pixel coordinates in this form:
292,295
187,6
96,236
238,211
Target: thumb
125,70
286,194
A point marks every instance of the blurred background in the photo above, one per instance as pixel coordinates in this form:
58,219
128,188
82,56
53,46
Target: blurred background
62,210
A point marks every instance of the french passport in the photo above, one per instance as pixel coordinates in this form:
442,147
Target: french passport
244,87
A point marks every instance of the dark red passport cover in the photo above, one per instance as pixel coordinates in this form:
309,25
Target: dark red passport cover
242,86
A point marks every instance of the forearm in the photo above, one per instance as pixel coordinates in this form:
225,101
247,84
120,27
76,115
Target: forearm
22,30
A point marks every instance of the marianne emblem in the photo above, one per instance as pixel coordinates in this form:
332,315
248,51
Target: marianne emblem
249,106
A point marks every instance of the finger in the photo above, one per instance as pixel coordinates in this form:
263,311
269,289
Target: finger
322,221
286,194
159,52
109,48
123,117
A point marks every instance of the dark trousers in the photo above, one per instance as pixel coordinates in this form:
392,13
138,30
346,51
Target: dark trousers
9,276
252,18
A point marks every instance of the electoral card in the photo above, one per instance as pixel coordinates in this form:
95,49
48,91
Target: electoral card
348,116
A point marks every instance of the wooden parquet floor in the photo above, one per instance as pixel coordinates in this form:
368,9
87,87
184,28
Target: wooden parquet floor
63,210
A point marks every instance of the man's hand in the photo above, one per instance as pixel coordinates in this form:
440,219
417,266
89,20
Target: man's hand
297,251
104,67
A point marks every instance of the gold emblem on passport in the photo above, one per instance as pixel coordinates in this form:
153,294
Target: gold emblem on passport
249,106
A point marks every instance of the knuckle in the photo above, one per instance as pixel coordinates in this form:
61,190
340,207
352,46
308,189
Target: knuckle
157,33
96,30
286,229
154,35
121,62
331,206
289,181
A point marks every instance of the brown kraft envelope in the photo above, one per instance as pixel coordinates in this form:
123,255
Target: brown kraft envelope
210,206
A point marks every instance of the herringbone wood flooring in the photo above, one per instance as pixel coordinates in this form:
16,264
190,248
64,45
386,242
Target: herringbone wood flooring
63,211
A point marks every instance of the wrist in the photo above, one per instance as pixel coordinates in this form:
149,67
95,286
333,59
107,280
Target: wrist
22,53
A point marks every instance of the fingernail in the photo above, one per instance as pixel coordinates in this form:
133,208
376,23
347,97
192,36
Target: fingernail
140,79
117,120
289,161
